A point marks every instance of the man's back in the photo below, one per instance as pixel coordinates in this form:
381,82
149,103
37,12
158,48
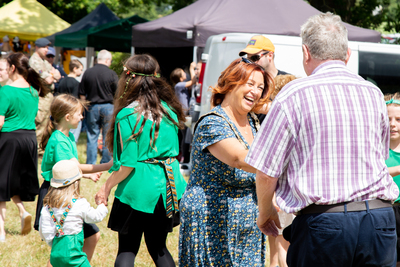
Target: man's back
99,84
337,140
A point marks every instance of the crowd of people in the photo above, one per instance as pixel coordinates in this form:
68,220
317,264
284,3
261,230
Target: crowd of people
311,164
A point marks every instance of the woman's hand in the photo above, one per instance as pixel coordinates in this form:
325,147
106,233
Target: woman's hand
93,176
102,196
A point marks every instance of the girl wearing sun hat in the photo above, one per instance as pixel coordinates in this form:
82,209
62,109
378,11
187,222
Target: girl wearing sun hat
63,214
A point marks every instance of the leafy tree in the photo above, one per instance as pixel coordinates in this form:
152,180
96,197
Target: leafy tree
393,20
73,10
356,12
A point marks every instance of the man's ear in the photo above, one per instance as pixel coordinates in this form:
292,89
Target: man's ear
306,54
348,55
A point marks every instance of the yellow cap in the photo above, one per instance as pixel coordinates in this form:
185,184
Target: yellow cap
256,44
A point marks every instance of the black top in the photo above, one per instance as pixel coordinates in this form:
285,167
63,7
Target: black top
99,84
68,85
261,117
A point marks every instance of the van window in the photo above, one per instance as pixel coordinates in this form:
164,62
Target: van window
381,69
221,55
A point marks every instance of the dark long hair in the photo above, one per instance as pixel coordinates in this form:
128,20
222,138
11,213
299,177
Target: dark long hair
148,91
21,63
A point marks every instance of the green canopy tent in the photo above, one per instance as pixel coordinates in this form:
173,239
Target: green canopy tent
114,36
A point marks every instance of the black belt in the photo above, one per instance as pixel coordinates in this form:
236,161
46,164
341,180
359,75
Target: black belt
346,206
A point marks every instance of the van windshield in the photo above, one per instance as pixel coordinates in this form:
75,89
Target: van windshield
381,69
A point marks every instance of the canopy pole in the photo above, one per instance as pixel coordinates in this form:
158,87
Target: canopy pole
195,54
89,55
132,51
57,56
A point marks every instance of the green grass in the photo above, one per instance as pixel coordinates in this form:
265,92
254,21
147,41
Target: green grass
31,251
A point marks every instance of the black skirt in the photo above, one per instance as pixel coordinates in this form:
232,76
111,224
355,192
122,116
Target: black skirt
18,170
123,218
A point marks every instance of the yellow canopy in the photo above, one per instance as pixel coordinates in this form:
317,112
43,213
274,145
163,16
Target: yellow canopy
29,20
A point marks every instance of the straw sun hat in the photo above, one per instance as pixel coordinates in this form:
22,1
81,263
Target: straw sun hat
65,172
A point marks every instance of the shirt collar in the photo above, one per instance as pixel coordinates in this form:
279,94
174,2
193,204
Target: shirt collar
329,65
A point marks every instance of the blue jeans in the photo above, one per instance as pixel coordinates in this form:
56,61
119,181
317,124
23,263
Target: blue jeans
76,132
360,238
98,117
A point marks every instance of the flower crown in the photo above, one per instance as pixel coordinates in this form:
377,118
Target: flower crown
133,74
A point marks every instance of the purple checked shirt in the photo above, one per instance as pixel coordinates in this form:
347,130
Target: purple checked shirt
326,138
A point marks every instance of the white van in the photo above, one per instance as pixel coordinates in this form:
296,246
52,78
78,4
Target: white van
379,63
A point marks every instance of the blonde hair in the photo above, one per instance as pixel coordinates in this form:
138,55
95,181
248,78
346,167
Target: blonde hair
387,97
280,82
62,105
61,197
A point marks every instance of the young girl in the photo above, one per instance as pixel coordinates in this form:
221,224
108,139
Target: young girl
59,144
143,136
63,214
393,162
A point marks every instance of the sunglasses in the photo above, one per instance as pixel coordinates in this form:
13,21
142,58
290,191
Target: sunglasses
255,58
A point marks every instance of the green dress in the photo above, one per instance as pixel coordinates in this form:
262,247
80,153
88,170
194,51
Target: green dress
143,187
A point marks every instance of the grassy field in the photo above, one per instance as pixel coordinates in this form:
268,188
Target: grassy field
31,251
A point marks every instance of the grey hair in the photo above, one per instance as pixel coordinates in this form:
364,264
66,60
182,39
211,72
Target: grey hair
325,36
103,55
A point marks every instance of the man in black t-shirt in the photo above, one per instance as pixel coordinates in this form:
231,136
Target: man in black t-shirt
98,85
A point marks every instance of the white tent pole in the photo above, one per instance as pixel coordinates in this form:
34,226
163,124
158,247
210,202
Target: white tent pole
89,56
57,55
195,54
132,51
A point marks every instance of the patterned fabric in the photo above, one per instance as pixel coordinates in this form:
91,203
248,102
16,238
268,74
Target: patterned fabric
219,207
60,225
171,189
326,138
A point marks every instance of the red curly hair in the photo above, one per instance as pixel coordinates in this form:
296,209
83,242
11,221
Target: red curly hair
236,74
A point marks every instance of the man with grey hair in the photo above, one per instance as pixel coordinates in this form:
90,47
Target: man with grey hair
322,150
98,85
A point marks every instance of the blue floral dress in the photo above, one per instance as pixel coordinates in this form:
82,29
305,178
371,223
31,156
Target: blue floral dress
219,207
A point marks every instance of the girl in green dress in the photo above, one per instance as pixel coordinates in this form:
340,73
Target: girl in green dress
59,144
144,139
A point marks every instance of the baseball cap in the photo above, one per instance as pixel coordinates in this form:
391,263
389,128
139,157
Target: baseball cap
256,44
51,51
42,42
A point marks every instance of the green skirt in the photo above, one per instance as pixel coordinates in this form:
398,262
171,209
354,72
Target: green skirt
67,251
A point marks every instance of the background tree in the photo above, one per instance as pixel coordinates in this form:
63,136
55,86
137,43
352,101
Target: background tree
73,10
363,13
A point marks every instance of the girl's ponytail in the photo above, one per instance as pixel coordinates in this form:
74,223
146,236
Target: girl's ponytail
34,79
50,128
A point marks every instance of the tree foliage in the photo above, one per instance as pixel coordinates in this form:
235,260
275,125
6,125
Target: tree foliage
356,12
73,10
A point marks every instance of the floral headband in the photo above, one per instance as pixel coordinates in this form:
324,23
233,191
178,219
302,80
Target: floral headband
133,74
393,101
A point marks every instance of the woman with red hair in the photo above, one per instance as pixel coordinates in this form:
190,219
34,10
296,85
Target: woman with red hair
219,208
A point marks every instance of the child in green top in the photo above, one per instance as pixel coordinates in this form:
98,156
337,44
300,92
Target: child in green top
59,144
393,162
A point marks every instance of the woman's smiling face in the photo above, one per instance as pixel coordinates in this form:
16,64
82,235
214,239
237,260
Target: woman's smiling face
246,96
